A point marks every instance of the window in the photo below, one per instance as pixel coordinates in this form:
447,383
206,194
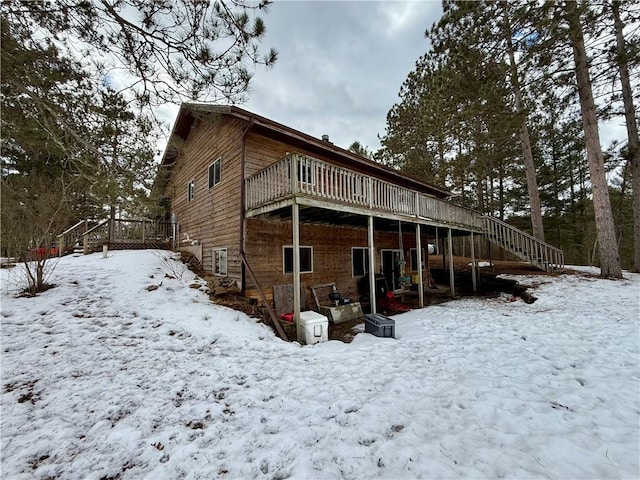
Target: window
214,173
220,261
191,188
306,259
359,261
413,256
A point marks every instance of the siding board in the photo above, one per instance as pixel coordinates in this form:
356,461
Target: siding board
263,151
331,253
212,217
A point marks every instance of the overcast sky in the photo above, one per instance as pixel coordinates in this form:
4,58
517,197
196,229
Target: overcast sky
340,65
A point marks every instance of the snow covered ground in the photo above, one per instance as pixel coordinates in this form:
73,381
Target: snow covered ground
105,378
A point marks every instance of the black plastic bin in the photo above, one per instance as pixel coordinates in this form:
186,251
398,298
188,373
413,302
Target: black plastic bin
379,325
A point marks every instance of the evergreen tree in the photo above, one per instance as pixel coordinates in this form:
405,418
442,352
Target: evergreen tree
607,242
542,85
622,57
163,50
360,149
495,28
418,137
455,125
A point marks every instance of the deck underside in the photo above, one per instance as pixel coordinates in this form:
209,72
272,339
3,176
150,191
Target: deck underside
336,213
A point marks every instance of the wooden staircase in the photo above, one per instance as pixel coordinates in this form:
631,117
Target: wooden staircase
524,246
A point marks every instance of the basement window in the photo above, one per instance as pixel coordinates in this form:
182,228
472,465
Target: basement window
306,260
359,261
214,173
220,262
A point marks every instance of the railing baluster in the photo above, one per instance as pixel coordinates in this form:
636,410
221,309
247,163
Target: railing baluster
544,256
324,180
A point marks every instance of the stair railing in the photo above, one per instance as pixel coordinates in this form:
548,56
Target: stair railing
525,246
95,235
71,236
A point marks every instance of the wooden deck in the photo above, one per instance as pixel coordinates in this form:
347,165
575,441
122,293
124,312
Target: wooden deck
118,234
336,195
316,183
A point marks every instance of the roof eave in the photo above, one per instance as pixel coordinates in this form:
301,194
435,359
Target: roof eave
185,119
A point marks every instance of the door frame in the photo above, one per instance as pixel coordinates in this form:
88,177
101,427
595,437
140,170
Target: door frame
396,270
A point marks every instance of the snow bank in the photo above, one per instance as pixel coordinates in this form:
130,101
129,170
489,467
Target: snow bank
107,376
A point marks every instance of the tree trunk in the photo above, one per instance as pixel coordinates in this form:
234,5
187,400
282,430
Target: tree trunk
608,247
632,130
525,141
39,286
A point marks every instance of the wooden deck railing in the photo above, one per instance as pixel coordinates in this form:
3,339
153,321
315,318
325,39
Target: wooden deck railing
140,230
127,232
321,180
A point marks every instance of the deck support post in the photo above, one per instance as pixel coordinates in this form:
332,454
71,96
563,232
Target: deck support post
419,265
473,265
444,260
372,268
295,219
451,272
295,223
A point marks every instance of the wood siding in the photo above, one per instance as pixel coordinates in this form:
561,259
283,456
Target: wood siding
263,151
331,253
212,217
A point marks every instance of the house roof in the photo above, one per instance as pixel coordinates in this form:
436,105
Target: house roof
271,129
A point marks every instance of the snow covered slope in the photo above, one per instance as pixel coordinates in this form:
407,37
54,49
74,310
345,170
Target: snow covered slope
104,377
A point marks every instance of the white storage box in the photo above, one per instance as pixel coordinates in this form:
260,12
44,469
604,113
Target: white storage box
314,328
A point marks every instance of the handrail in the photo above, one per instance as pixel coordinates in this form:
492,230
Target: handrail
69,230
526,246
70,237
85,236
122,231
274,181
520,232
96,227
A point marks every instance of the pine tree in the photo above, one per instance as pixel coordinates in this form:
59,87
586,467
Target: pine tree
456,123
166,51
491,27
607,242
622,55
525,141
418,136
360,149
